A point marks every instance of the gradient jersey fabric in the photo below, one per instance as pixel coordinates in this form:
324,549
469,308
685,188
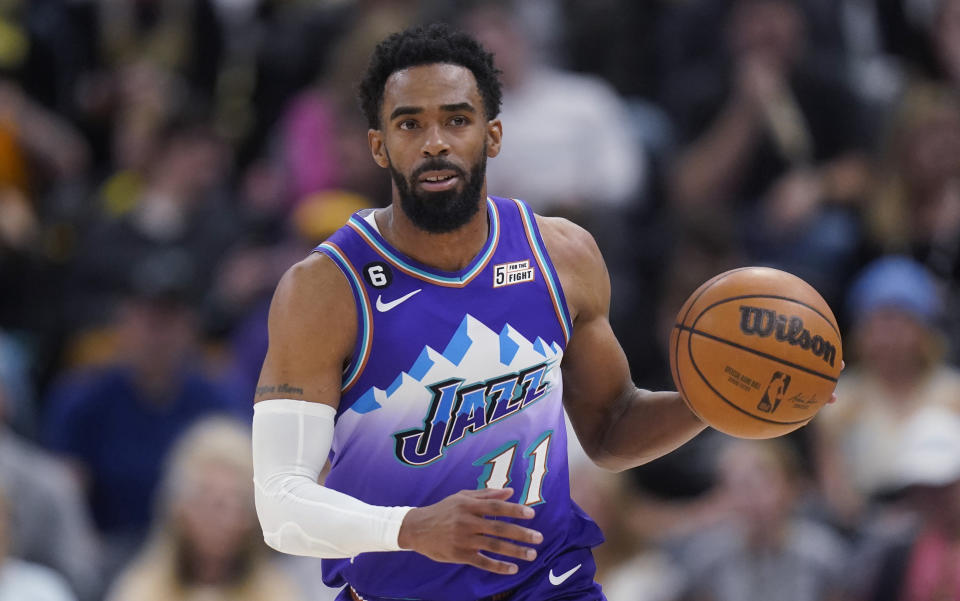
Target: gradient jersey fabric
454,384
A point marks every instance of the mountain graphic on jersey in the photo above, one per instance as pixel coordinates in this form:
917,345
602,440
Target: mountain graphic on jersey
480,378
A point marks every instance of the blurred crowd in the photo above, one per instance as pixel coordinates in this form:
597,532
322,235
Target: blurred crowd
162,162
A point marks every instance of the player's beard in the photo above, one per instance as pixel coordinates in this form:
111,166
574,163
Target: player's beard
441,212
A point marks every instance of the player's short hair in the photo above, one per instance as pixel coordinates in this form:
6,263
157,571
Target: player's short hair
424,45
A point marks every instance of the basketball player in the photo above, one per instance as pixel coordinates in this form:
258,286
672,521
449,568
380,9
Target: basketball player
429,350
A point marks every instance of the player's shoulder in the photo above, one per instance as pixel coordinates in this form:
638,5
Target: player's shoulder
313,273
579,264
313,284
567,242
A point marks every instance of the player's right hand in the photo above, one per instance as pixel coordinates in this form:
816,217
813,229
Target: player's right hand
458,529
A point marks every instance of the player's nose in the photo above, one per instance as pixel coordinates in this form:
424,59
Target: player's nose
434,143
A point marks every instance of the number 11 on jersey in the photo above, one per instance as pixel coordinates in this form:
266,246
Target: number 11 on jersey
497,466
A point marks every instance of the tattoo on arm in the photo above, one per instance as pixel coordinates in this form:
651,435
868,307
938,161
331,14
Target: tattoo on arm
282,389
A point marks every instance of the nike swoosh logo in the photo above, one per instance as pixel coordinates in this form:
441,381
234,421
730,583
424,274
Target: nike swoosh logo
558,580
384,307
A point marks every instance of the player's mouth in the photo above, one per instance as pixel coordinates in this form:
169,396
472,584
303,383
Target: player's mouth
438,181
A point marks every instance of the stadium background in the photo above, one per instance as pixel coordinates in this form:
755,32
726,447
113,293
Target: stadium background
162,162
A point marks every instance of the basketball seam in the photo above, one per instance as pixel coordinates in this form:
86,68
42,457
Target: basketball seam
693,362
758,353
676,349
774,296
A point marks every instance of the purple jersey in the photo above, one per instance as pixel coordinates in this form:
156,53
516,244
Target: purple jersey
454,384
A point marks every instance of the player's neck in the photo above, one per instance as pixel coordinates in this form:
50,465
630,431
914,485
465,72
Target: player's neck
451,251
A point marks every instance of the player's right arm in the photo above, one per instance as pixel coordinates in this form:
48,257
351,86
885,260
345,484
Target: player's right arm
312,333
313,328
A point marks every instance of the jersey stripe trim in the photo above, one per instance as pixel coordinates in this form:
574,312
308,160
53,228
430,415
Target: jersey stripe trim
546,268
365,337
363,228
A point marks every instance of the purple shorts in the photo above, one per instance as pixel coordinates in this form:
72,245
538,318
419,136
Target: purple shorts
570,577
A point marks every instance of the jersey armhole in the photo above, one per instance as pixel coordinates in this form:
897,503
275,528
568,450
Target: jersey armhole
361,351
539,250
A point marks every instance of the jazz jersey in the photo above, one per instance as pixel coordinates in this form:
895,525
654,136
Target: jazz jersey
454,384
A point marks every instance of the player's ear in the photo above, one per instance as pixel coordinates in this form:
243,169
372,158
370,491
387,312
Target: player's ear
494,137
377,147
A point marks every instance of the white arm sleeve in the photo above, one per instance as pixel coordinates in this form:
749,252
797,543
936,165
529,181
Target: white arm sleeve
291,441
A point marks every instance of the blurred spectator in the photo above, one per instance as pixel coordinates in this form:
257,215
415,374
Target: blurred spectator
628,567
41,156
176,35
765,551
925,34
924,565
40,50
641,529
18,224
874,71
775,136
617,40
40,151
248,271
18,402
324,141
49,146
946,41
916,209
19,228
117,423
293,40
570,150
177,213
20,580
205,542
250,275
895,368
143,98
310,139
46,520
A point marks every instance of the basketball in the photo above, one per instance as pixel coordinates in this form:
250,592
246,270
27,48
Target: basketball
755,352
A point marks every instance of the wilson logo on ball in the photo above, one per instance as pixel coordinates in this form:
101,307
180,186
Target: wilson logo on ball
763,323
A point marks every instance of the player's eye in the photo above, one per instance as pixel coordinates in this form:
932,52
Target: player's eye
407,124
459,121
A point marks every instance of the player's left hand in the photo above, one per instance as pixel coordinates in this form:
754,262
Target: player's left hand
833,397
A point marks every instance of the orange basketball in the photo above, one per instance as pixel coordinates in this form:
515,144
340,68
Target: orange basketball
755,352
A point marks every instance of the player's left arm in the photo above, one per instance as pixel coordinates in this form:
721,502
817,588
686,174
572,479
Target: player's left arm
619,425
